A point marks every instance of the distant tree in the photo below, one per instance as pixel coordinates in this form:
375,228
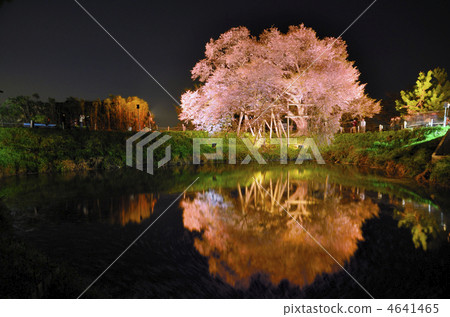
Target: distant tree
428,94
12,110
254,81
23,109
119,113
113,113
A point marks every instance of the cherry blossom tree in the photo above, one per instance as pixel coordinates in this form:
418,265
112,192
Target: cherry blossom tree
248,82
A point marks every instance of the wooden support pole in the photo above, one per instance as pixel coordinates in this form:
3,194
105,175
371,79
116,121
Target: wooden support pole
251,130
246,124
288,131
270,134
272,119
241,116
281,127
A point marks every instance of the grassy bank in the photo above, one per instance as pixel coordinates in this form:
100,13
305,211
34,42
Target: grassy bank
26,151
405,153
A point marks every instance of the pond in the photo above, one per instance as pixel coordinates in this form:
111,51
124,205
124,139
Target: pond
292,231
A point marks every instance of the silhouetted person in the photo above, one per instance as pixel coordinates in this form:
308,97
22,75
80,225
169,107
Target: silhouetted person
354,125
63,120
363,125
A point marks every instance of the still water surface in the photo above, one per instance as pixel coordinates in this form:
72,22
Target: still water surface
247,232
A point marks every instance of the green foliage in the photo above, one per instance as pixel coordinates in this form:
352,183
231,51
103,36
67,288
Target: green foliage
400,153
24,109
40,150
423,226
429,93
440,172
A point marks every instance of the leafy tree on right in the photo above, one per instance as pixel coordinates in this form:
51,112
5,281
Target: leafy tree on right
429,93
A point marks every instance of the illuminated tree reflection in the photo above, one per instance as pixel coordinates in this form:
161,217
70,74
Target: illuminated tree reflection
134,209
418,217
246,231
122,210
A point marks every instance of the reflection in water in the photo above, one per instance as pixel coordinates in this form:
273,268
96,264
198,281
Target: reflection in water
135,209
245,231
418,218
239,229
123,210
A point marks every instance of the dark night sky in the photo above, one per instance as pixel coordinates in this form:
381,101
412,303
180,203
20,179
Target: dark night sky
53,48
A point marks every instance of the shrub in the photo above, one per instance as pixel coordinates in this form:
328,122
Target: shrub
440,172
